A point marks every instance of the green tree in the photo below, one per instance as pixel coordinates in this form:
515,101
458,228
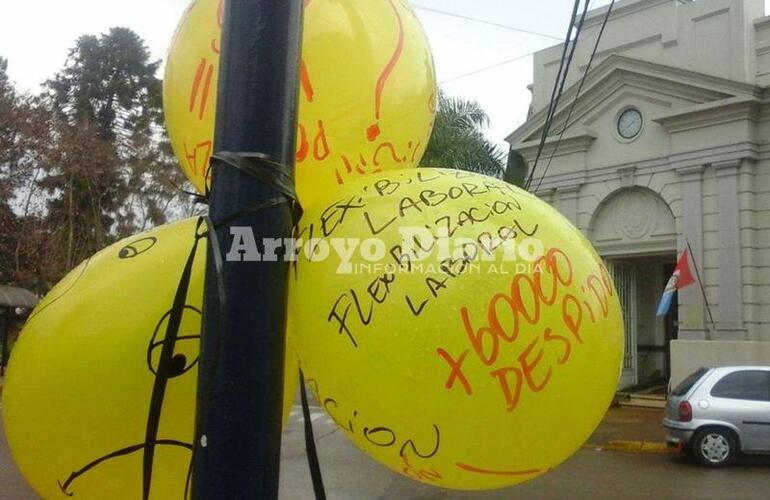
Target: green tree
109,82
85,163
458,139
7,217
113,173
24,139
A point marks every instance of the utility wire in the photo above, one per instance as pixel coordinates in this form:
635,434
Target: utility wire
554,92
567,123
486,68
561,77
483,21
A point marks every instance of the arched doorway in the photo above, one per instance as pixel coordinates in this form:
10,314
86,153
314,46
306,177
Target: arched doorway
634,230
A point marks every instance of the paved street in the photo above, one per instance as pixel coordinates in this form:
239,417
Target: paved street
591,474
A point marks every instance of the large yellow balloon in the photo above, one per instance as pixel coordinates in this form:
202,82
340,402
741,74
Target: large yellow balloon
77,398
473,361
368,91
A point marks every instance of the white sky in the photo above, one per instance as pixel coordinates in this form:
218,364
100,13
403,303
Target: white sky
35,36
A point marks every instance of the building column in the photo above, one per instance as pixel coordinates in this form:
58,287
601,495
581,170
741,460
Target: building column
568,202
692,324
547,195
730,275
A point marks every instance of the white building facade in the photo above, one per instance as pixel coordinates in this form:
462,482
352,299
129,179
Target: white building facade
669,145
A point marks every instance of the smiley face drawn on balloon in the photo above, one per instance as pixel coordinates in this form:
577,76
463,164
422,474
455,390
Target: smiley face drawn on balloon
103,382
178,366
138,247
164,361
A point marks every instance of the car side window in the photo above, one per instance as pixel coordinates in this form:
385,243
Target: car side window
752,385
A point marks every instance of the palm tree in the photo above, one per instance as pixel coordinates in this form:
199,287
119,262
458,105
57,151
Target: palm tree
458,139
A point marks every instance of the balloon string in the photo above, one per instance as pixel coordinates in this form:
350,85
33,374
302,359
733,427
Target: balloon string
164,372
312,453
271,173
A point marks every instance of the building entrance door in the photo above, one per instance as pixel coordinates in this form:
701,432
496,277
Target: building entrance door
640,282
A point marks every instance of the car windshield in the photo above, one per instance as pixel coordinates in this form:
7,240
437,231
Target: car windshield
686,384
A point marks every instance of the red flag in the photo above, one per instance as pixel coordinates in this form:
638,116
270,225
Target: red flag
682,272
681,278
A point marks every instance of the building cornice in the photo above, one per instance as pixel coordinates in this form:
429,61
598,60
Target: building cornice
692,171
717,155
762,23
712,113
570,191
567,146
596,16
731,164
687,162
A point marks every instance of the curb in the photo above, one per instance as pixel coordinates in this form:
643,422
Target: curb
640,447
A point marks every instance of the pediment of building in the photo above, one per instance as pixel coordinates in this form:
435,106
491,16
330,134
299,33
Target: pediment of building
669,91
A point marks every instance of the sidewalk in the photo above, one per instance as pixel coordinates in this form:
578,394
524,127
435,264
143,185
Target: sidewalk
631,429
346,470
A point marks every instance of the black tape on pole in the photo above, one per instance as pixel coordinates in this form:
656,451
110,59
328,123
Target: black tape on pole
273,174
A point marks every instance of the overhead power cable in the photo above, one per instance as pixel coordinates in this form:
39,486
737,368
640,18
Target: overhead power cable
484,21
486,68
568,52
567,123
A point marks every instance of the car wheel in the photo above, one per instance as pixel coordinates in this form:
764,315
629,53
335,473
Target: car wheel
714,447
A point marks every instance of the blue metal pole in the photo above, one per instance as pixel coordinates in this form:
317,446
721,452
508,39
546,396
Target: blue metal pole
238,429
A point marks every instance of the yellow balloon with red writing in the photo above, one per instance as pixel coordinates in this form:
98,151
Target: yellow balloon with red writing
367,100
79,400
458,329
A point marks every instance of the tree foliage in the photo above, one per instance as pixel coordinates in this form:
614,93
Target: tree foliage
458,139
24,140
84,163
109,83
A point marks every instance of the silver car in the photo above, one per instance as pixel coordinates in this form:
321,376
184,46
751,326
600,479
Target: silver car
716,413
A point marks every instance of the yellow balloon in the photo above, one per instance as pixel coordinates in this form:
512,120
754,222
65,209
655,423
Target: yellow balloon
458,329
77,397
367,101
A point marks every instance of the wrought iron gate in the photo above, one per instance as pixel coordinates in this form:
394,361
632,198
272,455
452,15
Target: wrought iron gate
625,283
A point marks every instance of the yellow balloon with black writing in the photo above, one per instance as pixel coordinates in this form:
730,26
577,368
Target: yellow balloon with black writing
77,400
367,91
458,329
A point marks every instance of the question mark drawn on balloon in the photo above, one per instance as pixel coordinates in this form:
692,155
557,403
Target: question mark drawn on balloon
170,365
373,132
305,82
220,16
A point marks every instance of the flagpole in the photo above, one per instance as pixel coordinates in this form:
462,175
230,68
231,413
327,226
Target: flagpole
700,282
